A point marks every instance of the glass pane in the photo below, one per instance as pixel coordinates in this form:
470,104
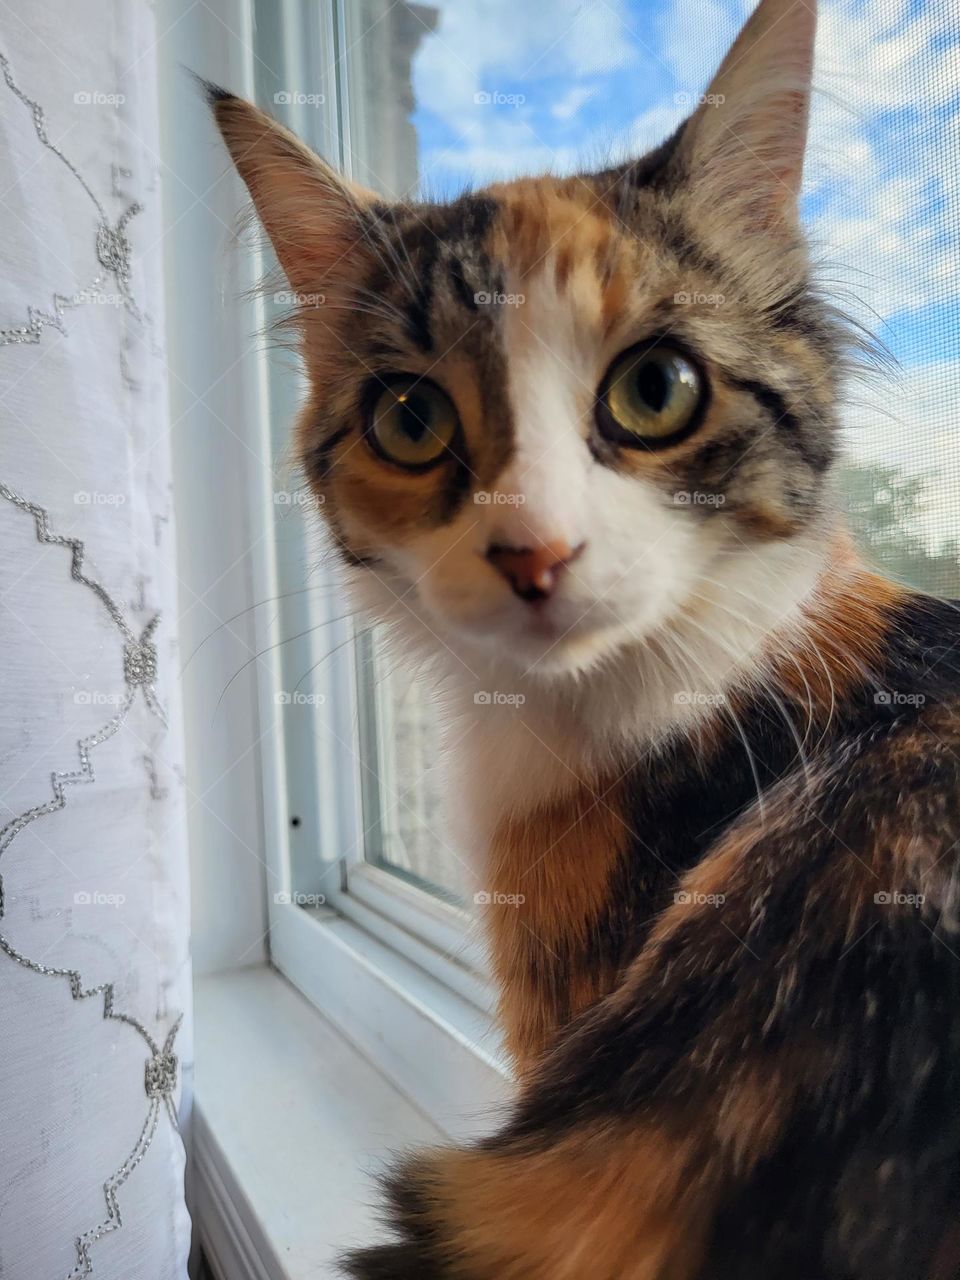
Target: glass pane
887,212
402,811
450,96
402,799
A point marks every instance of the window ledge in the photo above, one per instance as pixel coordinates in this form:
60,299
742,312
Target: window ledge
438,1049
291,1125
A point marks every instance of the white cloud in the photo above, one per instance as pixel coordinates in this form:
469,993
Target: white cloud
484,47
694,35
887,207
569,105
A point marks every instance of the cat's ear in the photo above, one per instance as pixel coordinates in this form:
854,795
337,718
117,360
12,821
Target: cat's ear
743,148
314,217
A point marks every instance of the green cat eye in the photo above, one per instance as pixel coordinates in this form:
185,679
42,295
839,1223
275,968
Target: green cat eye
411,421
650,396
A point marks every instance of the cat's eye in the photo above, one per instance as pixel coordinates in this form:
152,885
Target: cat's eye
651,395
411,422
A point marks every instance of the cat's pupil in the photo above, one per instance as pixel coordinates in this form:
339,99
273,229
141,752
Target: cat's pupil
413,415
652,385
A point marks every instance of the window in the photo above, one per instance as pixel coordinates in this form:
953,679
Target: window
372,841
316,785
419,99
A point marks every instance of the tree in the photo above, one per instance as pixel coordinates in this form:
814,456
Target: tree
885,507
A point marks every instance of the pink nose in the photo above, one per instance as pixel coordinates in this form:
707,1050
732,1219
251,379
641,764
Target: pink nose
533,571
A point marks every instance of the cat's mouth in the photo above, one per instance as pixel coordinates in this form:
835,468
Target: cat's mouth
545,636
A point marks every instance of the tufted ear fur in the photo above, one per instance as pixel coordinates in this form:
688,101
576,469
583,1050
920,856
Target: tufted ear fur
314,217
742,151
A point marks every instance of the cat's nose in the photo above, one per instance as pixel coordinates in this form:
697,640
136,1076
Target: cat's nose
533,572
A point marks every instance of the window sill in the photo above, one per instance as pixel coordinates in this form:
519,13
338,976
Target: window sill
438,1049
292,1124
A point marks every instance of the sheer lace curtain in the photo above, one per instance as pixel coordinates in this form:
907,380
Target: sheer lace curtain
94,915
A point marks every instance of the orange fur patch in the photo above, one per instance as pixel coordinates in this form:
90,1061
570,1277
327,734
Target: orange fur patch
845,636
559,858
611,1204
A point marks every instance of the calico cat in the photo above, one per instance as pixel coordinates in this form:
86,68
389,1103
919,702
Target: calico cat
730,802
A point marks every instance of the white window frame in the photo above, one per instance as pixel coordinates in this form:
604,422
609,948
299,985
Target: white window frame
393,984
394,966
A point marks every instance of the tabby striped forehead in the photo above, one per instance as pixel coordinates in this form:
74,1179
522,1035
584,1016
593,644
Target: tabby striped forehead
515,300
575,270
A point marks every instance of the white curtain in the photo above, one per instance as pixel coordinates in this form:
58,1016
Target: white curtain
94,968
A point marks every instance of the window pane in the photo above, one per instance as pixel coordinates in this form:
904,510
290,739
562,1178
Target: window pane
401,786
450,96
887,214
402,811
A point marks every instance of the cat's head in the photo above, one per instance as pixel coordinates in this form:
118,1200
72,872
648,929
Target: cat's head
551,417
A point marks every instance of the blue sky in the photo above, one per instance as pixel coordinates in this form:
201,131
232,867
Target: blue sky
568,84
572,82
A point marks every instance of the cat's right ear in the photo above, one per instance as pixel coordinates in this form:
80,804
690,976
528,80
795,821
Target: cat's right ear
314,217
742,150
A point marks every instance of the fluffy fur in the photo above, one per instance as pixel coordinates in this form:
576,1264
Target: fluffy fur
730,798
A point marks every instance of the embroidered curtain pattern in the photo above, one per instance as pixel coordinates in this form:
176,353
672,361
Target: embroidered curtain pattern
94,914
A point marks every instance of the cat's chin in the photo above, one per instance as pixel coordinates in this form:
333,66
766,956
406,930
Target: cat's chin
540,649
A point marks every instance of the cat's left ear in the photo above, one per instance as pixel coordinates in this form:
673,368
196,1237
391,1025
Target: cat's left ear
743,148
